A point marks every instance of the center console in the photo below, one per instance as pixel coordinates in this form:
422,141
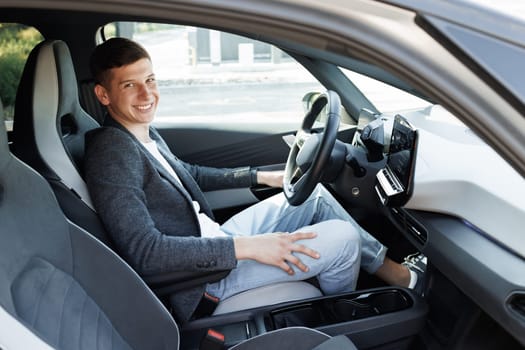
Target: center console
369,318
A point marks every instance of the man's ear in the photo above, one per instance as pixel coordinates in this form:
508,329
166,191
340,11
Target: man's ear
102,94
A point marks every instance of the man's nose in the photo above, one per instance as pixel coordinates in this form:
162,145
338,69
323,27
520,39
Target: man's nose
144,90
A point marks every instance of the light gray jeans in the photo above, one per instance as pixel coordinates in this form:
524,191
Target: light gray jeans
343,245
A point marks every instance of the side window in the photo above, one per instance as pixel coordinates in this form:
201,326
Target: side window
16,42
206,74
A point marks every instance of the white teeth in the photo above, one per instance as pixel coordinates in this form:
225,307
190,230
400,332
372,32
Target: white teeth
145,107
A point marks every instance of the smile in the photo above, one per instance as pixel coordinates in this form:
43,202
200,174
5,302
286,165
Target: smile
144,107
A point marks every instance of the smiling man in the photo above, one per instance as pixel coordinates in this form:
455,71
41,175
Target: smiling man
131,96
153,207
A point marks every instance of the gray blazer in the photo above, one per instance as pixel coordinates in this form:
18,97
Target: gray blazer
149,214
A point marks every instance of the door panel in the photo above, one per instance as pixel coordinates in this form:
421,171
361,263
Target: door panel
223,146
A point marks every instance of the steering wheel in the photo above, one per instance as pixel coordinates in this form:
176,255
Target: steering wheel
310,152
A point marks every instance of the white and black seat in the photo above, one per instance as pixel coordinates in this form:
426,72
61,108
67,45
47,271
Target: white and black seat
49,128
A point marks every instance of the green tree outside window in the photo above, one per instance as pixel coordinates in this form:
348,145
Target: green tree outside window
16,42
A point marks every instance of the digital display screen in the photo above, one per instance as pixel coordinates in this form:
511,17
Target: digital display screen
402,149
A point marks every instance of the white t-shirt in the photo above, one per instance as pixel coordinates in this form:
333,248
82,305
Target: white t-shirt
209,228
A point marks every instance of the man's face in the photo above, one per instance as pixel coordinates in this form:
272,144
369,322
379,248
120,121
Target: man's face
130,93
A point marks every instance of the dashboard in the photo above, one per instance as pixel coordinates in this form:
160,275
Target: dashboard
426,160
395,182
451,196
390,144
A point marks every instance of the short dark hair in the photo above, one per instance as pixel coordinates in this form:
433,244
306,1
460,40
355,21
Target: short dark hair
114,53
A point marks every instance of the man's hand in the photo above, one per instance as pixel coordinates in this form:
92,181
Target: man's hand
270,178
275,249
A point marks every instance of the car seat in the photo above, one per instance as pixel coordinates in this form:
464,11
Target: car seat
73,292
48,135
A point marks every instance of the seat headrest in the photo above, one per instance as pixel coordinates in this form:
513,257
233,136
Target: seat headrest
67,81
55,73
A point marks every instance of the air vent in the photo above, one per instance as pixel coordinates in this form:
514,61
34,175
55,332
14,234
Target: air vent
416,229
410,225
398,215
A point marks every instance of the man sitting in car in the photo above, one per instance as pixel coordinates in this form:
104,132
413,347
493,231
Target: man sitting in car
152,205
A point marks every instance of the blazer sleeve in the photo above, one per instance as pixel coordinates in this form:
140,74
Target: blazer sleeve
209,178
115,171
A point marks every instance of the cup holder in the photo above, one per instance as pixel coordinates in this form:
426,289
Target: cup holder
351,310
349,307
366,305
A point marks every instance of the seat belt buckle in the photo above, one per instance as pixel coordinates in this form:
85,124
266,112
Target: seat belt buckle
213,340
206,306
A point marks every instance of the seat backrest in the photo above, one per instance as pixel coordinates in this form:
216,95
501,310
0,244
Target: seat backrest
67,287
49,128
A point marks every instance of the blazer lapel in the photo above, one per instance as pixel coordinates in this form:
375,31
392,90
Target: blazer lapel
108,121
187,180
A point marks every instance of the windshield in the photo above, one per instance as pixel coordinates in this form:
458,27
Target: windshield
384,97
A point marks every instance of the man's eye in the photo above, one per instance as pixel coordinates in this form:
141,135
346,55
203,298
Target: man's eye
150,80
129,85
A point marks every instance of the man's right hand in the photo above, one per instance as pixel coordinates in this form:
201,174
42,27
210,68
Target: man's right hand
276,249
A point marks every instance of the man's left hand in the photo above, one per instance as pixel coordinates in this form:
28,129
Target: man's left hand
270,178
